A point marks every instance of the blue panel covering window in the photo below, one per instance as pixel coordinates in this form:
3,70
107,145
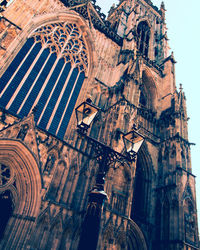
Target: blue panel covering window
19,76
46,93
63,102
27,85
71,105
36,89
15,63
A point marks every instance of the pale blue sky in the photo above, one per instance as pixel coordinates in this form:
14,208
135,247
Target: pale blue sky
182,18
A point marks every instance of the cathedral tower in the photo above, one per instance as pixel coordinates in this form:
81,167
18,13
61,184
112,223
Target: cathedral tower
54,55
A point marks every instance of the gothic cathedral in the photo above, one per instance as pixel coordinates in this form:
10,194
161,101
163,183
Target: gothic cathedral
54,55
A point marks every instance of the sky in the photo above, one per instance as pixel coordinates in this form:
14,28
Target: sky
182,18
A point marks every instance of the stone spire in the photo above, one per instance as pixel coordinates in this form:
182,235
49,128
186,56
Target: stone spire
162,9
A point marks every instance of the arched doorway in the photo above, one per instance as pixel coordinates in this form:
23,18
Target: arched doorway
20,197
7,208
141,209
135,237
141,191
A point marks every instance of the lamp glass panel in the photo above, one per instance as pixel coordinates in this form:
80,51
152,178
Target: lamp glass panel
137,145
86,114
133,141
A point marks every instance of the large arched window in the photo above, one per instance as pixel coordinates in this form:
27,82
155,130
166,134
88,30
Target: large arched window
47,74
140,194
142,188
148,92
143,32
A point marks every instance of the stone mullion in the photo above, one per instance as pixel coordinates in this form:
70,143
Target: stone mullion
24,79
13,237
67,188
35,235
52,91
139,40
25,228
44,238
144,42
9,232
61,186
33,85
61,120
27,235
61,93
45,83
72,189
88,186
22,62
20,232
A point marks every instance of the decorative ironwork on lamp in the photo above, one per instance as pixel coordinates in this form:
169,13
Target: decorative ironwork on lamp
105,156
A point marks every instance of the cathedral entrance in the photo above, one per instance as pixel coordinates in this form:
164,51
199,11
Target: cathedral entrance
142,189
141,192
6,205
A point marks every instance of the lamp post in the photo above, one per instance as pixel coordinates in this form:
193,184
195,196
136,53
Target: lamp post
85,114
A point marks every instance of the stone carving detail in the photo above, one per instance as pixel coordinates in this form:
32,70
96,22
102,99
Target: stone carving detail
118,202
189,220
6,176
66,39
8,32
23,131
49,164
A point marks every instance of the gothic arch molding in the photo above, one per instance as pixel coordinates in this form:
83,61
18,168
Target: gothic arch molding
144,19
151,33
142,188
61,45
145,157
149,88
135,237
27,176
49,18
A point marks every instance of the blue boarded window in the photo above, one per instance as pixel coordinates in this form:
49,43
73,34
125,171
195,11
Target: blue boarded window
47,73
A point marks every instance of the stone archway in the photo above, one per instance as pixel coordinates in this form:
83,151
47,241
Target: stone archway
23,182
135,237
142,186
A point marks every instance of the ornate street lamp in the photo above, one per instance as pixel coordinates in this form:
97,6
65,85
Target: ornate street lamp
85,114
105,156
132,141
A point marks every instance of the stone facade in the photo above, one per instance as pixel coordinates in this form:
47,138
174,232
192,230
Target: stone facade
128,73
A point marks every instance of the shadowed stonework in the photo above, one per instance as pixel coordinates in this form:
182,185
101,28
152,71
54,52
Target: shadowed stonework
54,55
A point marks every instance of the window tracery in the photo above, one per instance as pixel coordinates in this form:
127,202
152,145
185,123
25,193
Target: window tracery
143,32
47,74
64,39
6,176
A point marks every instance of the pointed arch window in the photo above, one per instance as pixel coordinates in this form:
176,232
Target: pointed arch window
47,73
166,219
141,191
143,32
